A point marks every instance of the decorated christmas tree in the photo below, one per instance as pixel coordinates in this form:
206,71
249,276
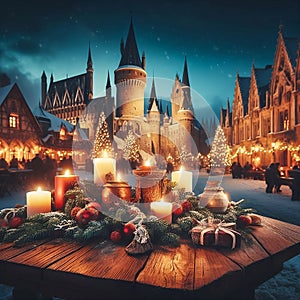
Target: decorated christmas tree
131,149
219,154
102,141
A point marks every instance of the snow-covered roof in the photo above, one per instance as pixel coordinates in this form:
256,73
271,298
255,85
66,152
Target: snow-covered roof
4,92
56,123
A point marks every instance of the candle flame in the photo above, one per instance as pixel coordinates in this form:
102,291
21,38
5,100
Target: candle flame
104,153
39,189
118,177
181,168
67,172
147,163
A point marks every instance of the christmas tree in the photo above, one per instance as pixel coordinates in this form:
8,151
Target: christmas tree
102,141
131,149
219,154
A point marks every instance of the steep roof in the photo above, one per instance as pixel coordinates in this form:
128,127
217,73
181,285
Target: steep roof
56,123
292,46
244,83
71,84
130,53
185,76
4,92
153,99
263,80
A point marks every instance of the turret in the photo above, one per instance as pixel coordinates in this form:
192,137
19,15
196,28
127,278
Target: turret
44,88
130,80
89,78
153,118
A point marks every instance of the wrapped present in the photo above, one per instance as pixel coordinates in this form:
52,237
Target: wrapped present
216,233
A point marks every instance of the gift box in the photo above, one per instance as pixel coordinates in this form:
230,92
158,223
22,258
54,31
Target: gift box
220,235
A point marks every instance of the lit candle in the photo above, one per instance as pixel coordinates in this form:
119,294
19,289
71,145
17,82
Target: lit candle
62,184
183,179
102,167
146,166
162,210
38,202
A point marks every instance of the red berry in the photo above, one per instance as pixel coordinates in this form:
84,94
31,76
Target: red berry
129,228
115,236
15,222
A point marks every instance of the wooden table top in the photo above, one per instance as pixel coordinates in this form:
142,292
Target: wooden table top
103,270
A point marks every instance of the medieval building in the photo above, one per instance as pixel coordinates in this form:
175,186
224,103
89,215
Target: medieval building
24,133
164,127
264,125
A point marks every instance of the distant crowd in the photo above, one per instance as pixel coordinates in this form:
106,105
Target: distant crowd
43,170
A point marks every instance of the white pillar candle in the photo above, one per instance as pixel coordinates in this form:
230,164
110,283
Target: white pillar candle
162,210
102,167
183,179
38,202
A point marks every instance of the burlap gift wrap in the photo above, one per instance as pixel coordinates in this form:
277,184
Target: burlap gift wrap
216,233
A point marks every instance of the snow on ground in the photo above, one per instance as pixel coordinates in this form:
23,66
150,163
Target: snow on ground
286,284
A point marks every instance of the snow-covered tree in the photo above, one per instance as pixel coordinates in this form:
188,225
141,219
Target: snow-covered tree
102,141
219,154
131,149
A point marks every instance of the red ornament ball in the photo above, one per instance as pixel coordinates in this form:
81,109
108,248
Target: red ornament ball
177,209
115,236
129,229
186,205
15,222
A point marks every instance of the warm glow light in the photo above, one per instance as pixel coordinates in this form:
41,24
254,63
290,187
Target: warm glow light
181,169
118,177
147,163
39,189
67,172
104,154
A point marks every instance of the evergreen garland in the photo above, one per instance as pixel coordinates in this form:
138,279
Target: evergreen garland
60,224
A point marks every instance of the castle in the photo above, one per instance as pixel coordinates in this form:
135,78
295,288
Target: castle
165,127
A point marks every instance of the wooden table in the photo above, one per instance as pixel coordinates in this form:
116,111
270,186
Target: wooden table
98,270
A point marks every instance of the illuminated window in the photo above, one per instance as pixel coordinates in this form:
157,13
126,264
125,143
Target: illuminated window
13,121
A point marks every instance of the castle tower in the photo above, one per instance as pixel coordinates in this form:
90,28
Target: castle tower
89,77
176,97
154,120
185,114
44,88
186,119
130,79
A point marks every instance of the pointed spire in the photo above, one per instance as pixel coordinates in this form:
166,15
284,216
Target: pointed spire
153,98
89,61
130,55
185,76
108,85
144,60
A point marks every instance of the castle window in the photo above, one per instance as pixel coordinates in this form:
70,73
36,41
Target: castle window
13,121
284,121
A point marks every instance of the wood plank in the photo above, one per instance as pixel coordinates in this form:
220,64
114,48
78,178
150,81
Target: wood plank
215,273
46,253
105,260
171,268
278,238
247,254
290,231
7,251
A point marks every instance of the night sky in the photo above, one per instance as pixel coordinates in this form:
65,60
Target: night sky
219,39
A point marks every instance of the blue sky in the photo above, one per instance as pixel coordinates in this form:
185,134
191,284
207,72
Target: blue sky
219,39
